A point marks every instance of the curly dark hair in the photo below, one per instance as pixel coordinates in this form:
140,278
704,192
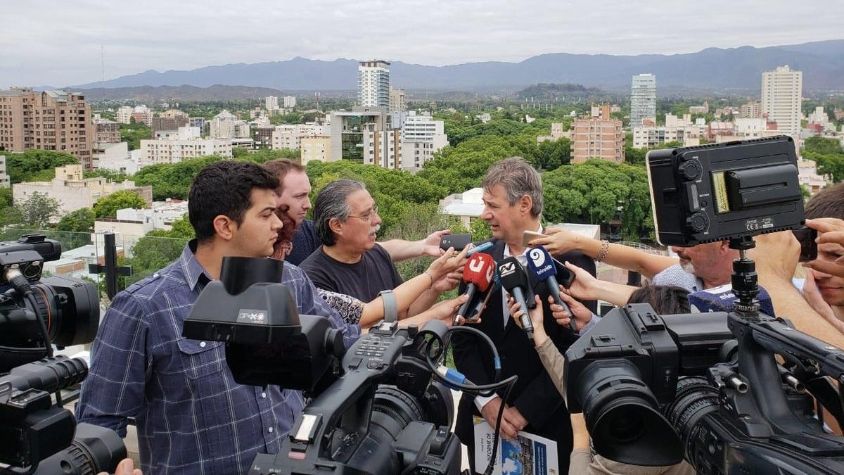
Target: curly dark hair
665,299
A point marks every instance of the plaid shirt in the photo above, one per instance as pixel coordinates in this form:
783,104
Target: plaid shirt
191,415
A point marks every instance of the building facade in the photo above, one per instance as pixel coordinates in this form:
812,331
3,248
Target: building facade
597,138
174,151
49,120
315,148
642,99
74,192
108,131
421,137
5,182
289,102
782,95
398,100
374,83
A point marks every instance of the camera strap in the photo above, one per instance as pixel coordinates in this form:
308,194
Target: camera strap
391,313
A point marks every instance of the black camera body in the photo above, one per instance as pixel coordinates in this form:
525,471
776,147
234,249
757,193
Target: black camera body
37,435
375,407
716,192
69,308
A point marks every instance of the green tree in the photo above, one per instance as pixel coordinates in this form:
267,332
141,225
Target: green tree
38,210
110,175
107,206
36,165
157,249
5,197
172,180
550,154
79,221
822,145
133,134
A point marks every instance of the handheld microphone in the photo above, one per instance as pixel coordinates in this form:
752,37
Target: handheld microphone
541,265
514,280
477,274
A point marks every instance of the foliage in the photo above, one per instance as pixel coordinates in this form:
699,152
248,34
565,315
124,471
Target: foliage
5,197
37,210
107,206
36,165
265,155
80,221
110,175
591,193
133,134
172,180
827,154
158,249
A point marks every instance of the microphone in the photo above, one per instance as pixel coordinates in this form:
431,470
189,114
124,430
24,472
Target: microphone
541,265
514,280
477,274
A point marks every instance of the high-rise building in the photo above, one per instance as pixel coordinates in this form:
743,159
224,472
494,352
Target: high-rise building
642,99
398,100
421,136
271,103
750,110
782,91
289,102
374,83
597,138
315,148
49,120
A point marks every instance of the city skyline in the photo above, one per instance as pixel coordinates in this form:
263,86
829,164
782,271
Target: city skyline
87,41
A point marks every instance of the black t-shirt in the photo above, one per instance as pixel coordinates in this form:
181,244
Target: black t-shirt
363,280
305,242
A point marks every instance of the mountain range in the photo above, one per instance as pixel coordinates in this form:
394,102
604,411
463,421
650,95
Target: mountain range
713,69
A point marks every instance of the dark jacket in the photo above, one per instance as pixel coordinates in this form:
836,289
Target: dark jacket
534,394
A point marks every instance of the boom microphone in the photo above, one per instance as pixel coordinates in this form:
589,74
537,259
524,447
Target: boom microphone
514,280
477,274
541,265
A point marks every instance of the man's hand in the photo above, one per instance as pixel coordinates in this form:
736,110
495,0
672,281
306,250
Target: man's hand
830,243
512,420
776,256
582,315
558,241
125,467
446,309
448,282
431,244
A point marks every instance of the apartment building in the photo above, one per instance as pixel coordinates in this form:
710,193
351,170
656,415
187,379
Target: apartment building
597,138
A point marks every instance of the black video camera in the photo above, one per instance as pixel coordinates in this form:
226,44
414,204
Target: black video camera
710,387
375,407
36,312
36,435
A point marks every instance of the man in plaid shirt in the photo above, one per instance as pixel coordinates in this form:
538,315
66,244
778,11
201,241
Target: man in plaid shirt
191,415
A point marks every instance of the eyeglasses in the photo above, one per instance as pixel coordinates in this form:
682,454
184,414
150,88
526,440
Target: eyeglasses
367,217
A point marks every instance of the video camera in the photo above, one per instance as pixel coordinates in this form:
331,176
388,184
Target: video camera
37,436
376,407
708,387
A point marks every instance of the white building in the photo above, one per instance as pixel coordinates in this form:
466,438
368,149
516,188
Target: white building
74,192
782,92
271,103
674,122
807,175
290,135
466,205
124,114
748,127
174,151
226,125
114,156
421,136
4,177
374,83
642,99
398,100
652,137
289,102
132,224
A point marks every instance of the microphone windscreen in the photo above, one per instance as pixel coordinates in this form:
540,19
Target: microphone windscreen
512,274
540,263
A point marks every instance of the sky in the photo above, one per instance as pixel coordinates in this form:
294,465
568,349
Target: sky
70,42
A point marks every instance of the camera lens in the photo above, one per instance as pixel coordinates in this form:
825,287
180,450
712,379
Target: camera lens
622,415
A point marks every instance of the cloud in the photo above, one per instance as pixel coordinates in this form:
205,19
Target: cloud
59,42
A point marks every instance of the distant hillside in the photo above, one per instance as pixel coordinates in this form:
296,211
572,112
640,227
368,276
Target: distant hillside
714,69
149,94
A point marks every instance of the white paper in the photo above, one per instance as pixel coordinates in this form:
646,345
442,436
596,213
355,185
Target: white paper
529,454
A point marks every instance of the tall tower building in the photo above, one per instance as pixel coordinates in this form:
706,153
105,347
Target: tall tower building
374,83
49,120
782,91
642,99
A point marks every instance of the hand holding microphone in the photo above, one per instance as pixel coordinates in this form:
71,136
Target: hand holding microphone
477,274
542,266
514,280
